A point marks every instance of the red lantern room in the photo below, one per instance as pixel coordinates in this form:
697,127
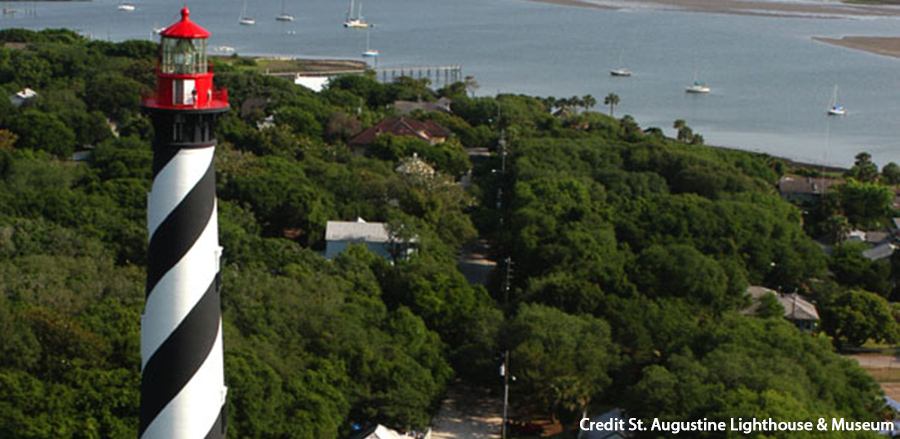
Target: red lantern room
184,79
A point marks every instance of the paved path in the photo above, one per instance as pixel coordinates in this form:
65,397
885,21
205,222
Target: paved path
468,413
885,369
474,264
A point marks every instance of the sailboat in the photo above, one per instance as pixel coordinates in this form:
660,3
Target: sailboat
834,109
697,87
369,53
284,16
621,71
355,22
244,19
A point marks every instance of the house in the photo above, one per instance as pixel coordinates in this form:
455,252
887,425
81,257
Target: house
21,96
429,131
797,309
404,108
805,189
378,432
880,251
314,83
376,237
616,420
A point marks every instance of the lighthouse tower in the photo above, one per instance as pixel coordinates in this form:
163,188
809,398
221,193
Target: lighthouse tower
182,375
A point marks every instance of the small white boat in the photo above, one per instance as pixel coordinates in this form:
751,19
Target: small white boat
621,71
244,20
697,87
357,22
224,49
127,7
834,109
284,16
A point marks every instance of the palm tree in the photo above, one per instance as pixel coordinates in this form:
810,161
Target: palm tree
685,134
612,100
589,101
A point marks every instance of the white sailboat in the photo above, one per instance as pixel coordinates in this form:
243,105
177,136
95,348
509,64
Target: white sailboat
369,52
358,21
621,71
835,109
284,16
697,86
244,19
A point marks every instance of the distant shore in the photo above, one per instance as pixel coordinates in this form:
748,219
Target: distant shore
810,9
887,46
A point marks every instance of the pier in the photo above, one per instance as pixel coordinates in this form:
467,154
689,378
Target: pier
443,75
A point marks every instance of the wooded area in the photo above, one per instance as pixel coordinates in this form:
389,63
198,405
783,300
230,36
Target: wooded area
631,256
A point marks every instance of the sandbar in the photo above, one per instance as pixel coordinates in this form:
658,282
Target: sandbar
766,8
887,46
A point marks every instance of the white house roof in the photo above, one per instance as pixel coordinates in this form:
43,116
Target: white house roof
879,252
796,307
314,83
358,230
26,93
856,235
380,432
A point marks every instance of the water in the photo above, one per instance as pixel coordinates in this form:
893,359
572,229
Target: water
771,82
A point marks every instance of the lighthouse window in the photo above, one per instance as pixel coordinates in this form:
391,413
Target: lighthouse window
182,56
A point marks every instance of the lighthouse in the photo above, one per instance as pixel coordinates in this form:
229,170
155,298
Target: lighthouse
182,374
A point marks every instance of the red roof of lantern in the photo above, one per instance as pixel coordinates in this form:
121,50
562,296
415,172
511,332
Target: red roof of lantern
185,28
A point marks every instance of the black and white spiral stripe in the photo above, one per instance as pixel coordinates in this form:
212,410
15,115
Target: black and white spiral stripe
182,383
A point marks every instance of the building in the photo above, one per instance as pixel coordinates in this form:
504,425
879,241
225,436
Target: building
381,432
375,236
428,131
797,309
879,252
805,189
21,96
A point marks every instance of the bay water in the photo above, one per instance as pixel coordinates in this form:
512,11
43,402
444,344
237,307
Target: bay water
771,83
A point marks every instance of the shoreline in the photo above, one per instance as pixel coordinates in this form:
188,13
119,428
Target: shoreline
813,10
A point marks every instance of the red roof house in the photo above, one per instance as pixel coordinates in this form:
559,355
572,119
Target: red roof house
429,131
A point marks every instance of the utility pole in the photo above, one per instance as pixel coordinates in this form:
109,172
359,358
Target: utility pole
504,370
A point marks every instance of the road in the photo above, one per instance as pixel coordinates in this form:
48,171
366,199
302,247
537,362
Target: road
468,413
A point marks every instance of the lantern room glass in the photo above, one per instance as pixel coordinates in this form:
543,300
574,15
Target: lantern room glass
183,56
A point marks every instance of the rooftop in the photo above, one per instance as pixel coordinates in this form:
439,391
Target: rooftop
358,230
